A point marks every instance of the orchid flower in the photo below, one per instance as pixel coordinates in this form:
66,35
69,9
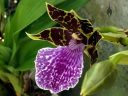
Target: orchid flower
60,68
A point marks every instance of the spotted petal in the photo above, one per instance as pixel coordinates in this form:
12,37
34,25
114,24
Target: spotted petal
60,68
91,49
65,18
94,38
92,52
86,26
56,36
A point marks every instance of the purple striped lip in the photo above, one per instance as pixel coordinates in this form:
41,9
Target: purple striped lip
60,68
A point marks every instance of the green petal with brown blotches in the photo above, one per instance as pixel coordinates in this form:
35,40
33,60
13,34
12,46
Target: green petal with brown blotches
92,52
55,35
94,38
65,18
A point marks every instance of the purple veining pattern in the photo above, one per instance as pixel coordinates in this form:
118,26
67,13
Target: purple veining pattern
60,68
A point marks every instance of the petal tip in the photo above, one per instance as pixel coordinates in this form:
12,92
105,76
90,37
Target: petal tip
49,6
32,36
46,3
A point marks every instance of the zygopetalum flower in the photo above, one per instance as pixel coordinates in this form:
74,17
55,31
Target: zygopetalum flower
60,68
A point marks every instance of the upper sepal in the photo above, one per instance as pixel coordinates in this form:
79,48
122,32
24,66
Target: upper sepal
65,18
86,25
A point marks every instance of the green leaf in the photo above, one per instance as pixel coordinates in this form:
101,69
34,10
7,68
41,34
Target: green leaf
96,76
1,6
120,57
119,86
27,14
5,53
16,83
113,34
107,29
13,79
119,37
14,50
26,65
72,4
2,76
24,16
40,24
27,53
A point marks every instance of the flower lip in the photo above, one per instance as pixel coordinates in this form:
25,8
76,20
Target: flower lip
60,68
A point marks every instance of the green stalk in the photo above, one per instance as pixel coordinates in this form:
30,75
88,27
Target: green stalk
113,34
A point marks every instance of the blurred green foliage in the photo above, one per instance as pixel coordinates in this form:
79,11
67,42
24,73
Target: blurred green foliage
17,52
